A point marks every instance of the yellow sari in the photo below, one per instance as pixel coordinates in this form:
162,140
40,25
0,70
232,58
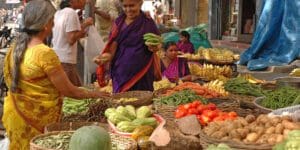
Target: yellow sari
37,102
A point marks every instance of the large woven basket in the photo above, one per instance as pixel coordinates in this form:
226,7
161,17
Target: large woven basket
71,126
143,98
206,140
123,143
166,111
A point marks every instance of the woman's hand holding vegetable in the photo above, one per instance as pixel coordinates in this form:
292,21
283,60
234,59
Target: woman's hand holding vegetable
103,58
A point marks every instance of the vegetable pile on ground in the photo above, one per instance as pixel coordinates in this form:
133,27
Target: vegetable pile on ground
75,106
282,97
205,113
251,130
292,142
242,86
181,97
196,87
129,119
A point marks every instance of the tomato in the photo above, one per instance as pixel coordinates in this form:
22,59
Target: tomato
232,114
180,107
187,106
205,119
211,106
210,114
195,104
180,113
201,108
192,111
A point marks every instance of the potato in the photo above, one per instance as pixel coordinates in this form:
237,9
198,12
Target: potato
268,125
250,118
275,121
263,119
259,130
252,137
287,118
270,130
210,130
218,134
234,134
263,139
243,132
279,138
279,128
272,139
226,138
290,125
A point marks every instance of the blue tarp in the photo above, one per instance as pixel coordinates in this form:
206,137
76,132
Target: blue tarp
276,39
198,36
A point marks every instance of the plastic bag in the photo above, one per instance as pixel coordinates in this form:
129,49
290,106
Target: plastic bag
4,144
93,46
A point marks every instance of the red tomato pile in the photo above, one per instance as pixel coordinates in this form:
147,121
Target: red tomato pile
204,113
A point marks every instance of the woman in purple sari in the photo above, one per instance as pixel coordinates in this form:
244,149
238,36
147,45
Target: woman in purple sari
134,66
172,67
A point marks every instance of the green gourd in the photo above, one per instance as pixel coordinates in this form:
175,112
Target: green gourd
90,138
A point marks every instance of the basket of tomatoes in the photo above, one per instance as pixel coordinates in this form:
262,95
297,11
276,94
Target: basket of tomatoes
205,112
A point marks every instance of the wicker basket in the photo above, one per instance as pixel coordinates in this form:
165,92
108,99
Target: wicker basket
225,104
71,126
166,111
206,140
123,143
143,98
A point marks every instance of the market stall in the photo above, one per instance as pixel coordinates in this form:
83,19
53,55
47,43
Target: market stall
218,109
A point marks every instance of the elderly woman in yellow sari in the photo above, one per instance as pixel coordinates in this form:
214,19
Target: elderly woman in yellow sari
35,78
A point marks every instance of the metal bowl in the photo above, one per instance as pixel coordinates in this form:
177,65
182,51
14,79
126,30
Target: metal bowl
257,103
288,81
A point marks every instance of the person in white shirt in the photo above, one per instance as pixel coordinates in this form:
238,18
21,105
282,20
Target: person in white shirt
107,11
67,31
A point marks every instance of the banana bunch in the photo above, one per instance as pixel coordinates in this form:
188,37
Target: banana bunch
217,86
189,56
295,72
218,55
251,79
152,39
108,88
211,72
164,83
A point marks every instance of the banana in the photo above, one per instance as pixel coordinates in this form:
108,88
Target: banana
217,86
295,72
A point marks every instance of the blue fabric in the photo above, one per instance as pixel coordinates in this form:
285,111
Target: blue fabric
276,39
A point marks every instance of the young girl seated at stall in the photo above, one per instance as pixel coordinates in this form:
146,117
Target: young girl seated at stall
184,44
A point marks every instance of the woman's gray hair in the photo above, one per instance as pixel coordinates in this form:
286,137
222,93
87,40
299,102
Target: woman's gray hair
36,15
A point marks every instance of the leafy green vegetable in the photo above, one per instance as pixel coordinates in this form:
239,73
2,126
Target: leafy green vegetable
280,98
182,97
242,86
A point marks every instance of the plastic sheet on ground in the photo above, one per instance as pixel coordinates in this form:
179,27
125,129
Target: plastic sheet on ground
198,36
277,36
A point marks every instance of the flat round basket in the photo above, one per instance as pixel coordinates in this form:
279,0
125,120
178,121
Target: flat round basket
71,126
206,140
120,142
143,98
257,103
